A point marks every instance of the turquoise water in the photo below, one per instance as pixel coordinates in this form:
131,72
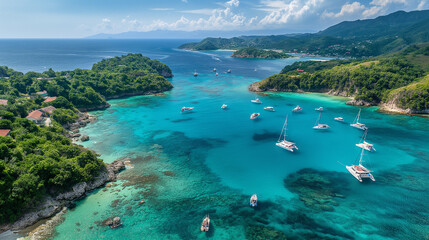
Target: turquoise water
211,161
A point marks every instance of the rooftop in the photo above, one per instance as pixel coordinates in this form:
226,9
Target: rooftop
3,102
50,99
36,114
4,132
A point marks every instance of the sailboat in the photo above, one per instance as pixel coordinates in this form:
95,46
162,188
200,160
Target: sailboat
254,200
297,109
320,109
359,171
357,124
287,145
205,224
320,126
364,144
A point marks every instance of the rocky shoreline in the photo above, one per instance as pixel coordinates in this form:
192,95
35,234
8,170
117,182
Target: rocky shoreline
50,206
383,107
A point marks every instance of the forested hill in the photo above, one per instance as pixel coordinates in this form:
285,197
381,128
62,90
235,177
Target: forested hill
361,38
389,79
249,52
36,157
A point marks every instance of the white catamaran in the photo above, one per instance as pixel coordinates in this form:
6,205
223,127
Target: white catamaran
256,100
357,124
359,171
320,126
283,143
364,144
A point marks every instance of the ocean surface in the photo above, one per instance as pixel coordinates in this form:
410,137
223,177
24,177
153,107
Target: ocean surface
210,161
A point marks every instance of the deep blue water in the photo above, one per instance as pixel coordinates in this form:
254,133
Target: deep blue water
210,161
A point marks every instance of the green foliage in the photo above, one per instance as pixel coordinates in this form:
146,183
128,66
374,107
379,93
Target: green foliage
312,66
368,81
39,160
361,38
414,96
64,116
250,52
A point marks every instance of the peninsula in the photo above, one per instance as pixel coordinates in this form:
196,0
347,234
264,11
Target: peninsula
249,52
396,82
41,169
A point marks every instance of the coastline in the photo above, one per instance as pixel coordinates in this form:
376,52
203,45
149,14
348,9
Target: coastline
42,219
50,206
386,108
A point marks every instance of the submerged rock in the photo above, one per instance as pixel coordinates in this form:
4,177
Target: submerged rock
315,189
256,232
84,138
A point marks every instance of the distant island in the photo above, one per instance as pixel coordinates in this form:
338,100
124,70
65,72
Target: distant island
397,82
351,39
40,116
249,52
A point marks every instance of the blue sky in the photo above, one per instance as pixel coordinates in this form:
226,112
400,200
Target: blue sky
80,18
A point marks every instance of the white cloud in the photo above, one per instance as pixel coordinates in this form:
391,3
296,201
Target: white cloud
105,25
281,12
346,10
233,3
203,11
185,1
421,5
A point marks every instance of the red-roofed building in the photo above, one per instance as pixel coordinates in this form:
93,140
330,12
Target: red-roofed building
3,102
36,116
49,110
4,132
50,99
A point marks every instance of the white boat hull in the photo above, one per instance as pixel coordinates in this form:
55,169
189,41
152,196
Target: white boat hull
359,126
359,175
286,145
366,146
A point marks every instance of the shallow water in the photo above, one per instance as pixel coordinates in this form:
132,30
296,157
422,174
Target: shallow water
211,161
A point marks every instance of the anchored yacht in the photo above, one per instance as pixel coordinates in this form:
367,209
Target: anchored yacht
357,124
364,144
256,100
320,126
282,142
359,171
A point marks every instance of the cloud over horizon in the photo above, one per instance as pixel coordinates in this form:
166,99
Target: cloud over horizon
82,18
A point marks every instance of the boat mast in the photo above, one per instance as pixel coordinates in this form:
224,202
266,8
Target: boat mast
318,120
361,156
283,128
357,120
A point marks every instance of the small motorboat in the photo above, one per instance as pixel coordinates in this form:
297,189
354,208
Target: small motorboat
195,73
115,225
186,109
229,71
217,74
214,70
339,119
256,101
254,200
205,224
141,202
254,115
320,109
224,106
297,109
271,109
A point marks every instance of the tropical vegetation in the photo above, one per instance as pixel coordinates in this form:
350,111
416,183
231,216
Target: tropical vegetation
39,160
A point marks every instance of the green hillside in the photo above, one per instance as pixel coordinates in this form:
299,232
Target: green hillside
374,80
361,38
249,52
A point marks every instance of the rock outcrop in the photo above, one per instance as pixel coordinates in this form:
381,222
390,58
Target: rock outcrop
53,204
